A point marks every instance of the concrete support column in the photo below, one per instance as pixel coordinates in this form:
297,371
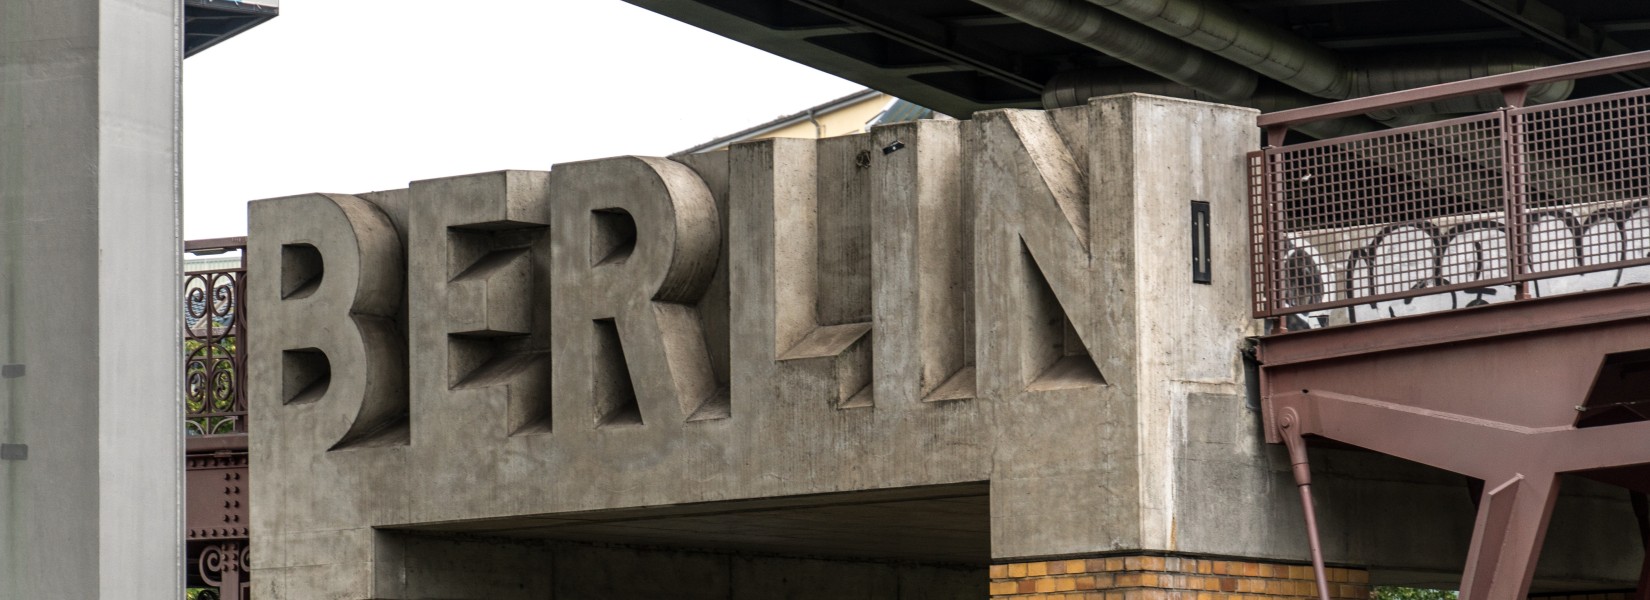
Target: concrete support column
90,422
1134,577
1138,435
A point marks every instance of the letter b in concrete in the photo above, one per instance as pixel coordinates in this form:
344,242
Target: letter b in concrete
330,288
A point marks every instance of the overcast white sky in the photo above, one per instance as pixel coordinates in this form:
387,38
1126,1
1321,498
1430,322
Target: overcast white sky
361,95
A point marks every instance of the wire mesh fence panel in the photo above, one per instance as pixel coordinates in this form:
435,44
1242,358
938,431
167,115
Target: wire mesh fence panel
1583,183
1259,233
1406,212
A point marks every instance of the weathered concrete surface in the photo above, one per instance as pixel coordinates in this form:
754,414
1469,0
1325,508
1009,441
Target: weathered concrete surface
89,315
759,348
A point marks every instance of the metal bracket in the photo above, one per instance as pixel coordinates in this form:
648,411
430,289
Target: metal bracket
1275,135
1516,96
1289,428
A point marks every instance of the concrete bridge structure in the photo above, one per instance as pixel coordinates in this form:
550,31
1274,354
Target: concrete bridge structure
938,360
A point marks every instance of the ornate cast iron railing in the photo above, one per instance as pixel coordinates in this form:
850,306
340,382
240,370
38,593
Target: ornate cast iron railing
213,360
1523,201
216,480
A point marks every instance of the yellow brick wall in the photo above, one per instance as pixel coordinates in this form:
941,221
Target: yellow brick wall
1168,578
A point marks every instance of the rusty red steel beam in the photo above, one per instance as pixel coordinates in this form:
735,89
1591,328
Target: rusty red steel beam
1395,387
1520,466
224,243
207,444
1455,89
1476,323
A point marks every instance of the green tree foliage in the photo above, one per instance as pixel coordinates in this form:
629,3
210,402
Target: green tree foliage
1402,593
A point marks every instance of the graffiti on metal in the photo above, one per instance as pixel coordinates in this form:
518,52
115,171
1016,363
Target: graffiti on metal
1321,267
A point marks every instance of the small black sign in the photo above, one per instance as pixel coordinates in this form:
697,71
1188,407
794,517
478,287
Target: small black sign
1202,272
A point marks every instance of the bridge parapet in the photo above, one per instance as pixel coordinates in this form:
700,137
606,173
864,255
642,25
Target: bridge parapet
1527,203
944,342
1523,202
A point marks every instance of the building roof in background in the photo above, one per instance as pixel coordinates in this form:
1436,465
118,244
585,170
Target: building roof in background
902,111
212,263
782,122
897,111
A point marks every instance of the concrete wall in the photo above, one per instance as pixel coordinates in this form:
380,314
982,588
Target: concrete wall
1005,300
88,305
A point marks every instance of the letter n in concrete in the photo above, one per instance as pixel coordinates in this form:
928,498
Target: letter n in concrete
329,287
1036,266
1058,480
635,247
1083,246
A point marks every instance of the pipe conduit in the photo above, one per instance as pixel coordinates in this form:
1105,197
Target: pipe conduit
1401,71
1246,40
1134,43
1074,88
1280,54
1233,49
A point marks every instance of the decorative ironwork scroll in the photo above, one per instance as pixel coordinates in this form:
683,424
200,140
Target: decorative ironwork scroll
224,566
213,359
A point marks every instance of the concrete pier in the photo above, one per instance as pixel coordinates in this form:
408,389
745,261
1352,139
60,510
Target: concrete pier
89,311
937,360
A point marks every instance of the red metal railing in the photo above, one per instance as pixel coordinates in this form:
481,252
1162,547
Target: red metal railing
1481,207
214,356
217,482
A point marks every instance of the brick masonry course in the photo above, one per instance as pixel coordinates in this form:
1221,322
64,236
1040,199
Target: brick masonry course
1168,577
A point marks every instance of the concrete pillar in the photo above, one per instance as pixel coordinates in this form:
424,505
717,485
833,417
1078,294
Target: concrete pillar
1112,433
90,420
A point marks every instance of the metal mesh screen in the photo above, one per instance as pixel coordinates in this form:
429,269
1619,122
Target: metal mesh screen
1382,215
1258,237
1583,174
1524,194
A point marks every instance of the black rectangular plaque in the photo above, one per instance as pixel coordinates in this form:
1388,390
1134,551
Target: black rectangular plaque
14,452
1202,272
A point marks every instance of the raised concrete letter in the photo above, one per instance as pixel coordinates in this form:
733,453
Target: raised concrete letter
480,304
332,287
636,246
1036,264
922,249
781,203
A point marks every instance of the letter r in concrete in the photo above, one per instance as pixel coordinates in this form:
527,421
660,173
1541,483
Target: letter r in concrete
636,246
